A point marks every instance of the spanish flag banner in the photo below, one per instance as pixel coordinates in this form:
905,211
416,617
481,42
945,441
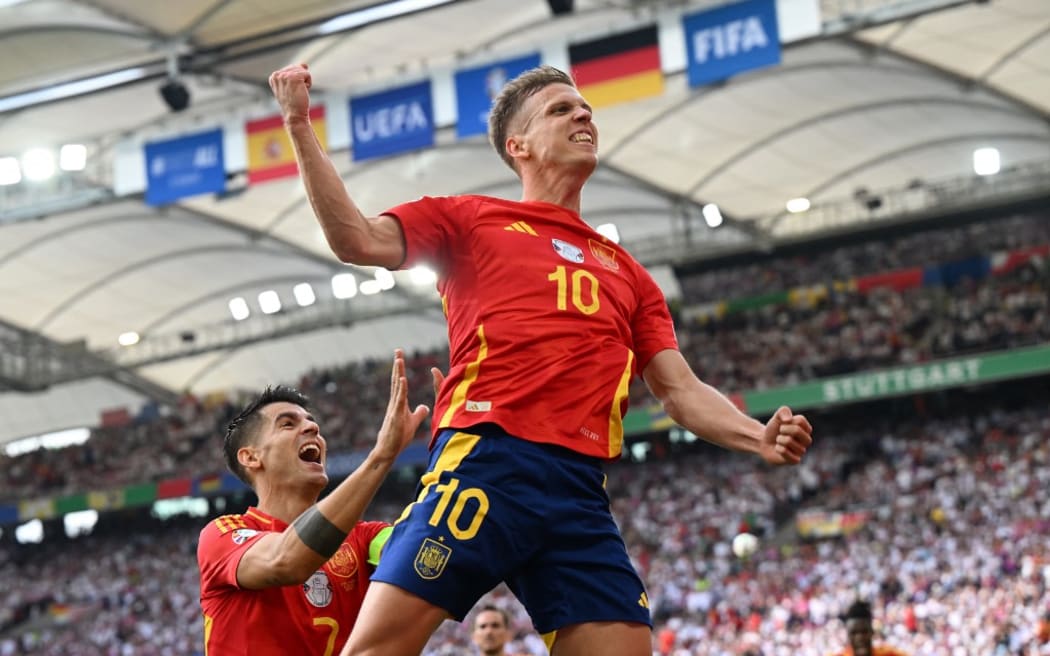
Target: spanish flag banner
618,68
270,153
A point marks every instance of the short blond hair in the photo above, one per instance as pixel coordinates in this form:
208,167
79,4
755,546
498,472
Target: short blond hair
509,101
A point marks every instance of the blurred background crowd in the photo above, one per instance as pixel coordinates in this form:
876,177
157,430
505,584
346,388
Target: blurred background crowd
938,502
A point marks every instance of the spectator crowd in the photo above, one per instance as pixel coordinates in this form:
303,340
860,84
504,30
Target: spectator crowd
952,550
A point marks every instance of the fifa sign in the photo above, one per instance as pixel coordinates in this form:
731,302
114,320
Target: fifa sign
729,40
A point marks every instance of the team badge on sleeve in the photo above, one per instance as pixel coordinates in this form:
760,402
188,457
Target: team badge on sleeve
431,559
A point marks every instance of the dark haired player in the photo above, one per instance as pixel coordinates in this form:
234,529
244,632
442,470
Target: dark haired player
289,576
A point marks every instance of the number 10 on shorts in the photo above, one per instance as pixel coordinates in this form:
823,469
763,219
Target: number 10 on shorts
455,519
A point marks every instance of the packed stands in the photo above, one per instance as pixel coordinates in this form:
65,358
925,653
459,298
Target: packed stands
948,527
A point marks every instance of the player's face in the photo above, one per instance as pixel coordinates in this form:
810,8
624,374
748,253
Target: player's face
860,636
556,129
291,444
490,632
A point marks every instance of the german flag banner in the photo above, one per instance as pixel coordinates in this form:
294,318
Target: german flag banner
618,68
270,153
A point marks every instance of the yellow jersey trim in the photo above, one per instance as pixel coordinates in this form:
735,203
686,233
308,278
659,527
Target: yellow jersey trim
208,621
615,420
459,396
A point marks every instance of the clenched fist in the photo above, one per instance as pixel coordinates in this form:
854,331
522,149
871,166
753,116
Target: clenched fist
786,438
291,87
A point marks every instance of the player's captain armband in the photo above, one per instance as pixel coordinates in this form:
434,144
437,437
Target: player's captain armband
318,533
375,547
228,523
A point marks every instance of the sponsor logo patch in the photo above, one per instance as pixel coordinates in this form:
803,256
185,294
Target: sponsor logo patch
242,535
568,251
318,589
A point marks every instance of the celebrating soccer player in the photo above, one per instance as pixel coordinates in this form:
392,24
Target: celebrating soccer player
548,322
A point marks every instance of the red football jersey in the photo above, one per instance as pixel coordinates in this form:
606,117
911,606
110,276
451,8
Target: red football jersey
548,321
313,618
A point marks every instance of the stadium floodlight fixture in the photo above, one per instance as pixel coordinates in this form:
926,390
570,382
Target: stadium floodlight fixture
32,532
10,171
796,205
239,308
712,215
269,302
609,231
304,294
422,275
80,522
986,161
376,13
72,157
384,278
370,287
129,338
344,285
38,164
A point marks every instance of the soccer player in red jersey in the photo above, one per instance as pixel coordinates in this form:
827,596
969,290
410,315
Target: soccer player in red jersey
548,322
289,576
861,633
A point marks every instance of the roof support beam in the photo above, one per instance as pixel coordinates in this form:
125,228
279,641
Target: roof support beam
30,362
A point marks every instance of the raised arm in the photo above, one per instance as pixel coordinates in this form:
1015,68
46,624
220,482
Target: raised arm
290,557
706,412
352,236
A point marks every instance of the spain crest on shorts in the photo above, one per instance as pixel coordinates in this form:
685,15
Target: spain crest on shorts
431,559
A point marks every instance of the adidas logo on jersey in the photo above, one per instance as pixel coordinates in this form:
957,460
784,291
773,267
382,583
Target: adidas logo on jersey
521,226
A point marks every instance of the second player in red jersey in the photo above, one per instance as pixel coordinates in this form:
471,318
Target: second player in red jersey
289,576
316,615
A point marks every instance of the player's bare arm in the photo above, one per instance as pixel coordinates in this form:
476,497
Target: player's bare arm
352,236
706,412
290,557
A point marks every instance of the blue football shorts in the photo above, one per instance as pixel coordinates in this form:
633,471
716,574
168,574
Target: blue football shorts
492,507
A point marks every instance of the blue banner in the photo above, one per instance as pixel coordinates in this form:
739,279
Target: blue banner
8,514
186,166
476,88
723,42
392,122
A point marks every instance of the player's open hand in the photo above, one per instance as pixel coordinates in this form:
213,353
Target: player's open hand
399,424
291,87
786,437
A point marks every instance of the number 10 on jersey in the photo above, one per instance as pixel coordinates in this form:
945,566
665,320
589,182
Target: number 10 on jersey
581,285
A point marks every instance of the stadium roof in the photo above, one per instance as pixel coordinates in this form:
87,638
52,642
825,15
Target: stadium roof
893,95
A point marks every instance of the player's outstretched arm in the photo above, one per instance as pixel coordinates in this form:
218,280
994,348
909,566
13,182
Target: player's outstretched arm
290,557
352,236
706,412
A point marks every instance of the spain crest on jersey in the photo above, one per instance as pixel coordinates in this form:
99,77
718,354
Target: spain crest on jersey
605,254
343,563
431,559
